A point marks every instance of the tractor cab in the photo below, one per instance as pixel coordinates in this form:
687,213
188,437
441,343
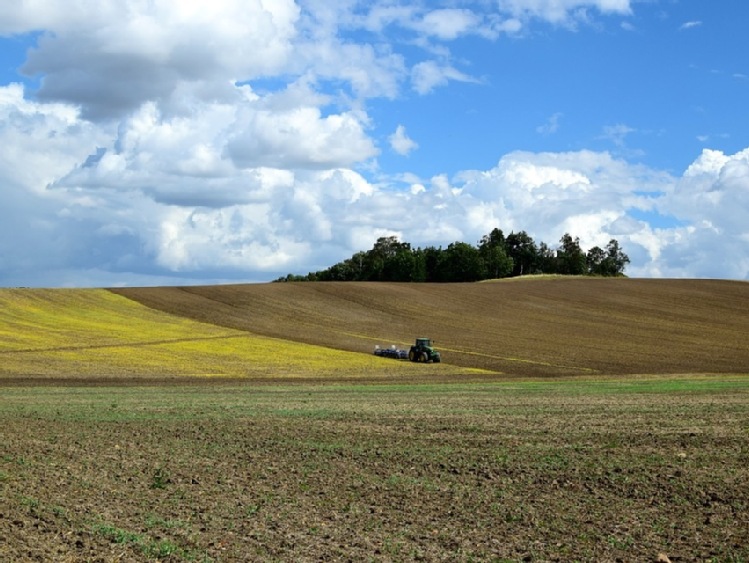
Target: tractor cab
423,351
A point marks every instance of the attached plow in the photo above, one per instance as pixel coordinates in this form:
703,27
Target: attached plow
392,352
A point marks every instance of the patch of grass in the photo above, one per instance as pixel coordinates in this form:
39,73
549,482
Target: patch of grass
148,547
31,503
155,521
160,479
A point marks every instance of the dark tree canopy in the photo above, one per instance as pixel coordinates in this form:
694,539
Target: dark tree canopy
495,256
571,259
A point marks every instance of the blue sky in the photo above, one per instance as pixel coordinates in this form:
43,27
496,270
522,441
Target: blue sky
154,143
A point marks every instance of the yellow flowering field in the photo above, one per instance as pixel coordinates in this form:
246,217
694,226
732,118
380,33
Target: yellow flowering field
96,333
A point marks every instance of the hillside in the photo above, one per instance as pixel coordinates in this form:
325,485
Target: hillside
526,327
93,335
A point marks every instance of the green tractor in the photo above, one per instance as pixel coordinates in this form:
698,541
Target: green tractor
423,351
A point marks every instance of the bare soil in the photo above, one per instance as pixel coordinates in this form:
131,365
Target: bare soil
535,327
487,472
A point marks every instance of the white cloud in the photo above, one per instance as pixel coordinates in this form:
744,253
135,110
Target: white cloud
428,75
151,156
714,191
109,57
628,26
551,126
301,138
449,23
135,213
617,133
690,25
400,142
562,11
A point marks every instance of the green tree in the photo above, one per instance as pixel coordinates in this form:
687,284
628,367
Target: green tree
571,260
462,262
493,250
523,251
546,260
385,249
609,262
401,266
595,259
616,260
431,257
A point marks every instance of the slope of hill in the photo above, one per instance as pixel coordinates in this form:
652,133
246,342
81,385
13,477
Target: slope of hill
527,327
95,335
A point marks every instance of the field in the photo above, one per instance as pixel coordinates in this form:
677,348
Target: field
589,420
49,336
535,327
466,472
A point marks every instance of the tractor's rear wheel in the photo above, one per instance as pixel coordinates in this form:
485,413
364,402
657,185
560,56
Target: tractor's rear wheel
411,355
424,357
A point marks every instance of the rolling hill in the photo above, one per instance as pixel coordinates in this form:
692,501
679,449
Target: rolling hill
525,327
530,327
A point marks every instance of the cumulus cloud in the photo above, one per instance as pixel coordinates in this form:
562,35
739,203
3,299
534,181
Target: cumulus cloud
301,138
109,57
119,206
449,23
400,142
150,155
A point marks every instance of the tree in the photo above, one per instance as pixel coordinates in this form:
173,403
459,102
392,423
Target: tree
401,266
431,257
595,259
609,262
385,249
496,256
615,260
570,258
493,250
523,252
462,262
546,260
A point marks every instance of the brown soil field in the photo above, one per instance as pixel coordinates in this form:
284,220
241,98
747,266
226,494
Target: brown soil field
525,327
534,471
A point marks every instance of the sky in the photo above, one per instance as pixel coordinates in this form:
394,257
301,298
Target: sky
152,142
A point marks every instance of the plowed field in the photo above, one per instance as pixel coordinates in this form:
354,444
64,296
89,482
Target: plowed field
619,471
534,327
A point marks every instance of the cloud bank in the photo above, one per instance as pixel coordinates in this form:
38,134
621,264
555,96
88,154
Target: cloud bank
195,143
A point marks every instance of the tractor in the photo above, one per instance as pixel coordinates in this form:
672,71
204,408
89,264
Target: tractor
423,351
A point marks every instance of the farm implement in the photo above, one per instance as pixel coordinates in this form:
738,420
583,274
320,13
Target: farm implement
421,351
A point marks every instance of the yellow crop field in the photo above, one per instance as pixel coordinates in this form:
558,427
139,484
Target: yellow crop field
96,333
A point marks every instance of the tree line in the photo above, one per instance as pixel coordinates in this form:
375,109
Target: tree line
495,256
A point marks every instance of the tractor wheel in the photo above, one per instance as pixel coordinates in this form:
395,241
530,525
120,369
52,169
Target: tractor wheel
411,355
424,357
